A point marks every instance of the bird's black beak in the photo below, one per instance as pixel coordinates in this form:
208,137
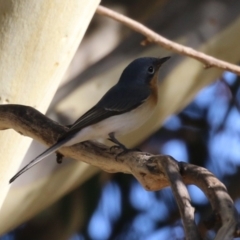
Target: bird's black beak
162,60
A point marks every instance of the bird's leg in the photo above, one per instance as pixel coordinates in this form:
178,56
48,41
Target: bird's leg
114,140
118,144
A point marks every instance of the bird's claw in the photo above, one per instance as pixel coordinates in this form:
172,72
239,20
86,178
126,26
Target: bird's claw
112,148
119,145
125,151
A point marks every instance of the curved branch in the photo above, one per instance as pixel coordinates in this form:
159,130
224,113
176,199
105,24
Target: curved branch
153,172
182,197
152,36
214,190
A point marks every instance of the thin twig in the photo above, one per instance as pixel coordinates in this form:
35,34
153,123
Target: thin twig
152,36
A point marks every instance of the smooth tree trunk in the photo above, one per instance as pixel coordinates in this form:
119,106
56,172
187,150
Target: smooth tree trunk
37,42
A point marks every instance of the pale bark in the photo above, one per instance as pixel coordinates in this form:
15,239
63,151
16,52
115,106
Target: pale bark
38,41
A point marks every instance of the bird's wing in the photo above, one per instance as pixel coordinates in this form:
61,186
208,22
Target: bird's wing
117,100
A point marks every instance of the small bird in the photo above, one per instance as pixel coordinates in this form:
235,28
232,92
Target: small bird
124,108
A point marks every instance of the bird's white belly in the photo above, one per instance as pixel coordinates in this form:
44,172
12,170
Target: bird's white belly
119,124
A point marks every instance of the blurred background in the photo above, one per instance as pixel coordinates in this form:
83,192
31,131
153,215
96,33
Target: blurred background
199,123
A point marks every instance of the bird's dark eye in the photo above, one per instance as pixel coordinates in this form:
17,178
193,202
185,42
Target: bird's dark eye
151,70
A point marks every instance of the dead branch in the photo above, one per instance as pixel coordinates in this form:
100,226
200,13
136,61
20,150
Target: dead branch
153,37
153,172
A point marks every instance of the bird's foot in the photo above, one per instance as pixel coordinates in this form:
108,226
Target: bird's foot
127,150
112,148
59,158
124,150
120,145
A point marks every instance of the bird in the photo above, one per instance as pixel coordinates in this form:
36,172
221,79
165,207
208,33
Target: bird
123,108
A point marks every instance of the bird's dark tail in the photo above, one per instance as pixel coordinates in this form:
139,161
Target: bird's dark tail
39,158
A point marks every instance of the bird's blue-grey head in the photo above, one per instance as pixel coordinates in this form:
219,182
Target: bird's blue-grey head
141,70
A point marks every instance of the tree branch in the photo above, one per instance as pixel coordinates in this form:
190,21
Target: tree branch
171,168
153,37
214,190
153,172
